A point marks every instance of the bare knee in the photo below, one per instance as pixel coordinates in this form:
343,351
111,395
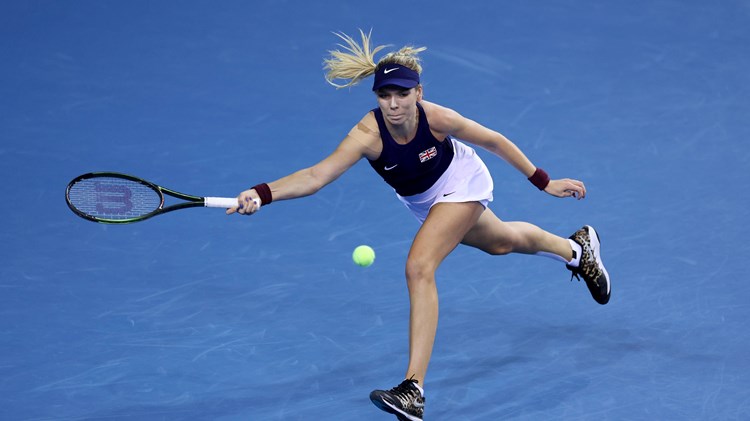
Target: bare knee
419,272
516,237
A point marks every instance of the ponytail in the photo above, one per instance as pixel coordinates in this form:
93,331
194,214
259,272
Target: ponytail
357,61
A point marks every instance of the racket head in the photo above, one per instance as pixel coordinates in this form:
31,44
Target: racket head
113,198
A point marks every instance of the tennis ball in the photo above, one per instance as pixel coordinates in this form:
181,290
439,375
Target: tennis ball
363,256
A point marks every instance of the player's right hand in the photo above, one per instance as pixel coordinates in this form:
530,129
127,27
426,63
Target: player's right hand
249,203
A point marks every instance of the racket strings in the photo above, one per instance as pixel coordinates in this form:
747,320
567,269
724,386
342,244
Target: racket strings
114,198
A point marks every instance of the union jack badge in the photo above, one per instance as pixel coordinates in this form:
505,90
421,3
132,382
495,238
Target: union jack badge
428,154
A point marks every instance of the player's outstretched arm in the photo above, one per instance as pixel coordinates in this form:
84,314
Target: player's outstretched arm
306,181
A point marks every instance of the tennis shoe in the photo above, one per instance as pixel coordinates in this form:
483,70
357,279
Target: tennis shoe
405,401
591,268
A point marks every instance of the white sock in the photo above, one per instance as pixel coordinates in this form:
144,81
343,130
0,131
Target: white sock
576,260
421,390
573,262
552,256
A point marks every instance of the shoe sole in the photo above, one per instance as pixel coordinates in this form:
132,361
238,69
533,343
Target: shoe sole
598,257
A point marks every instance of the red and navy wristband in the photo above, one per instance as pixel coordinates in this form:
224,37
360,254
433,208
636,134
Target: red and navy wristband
540,179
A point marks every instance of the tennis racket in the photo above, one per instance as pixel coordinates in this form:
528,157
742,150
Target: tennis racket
114,198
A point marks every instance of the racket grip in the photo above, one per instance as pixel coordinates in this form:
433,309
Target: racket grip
222,202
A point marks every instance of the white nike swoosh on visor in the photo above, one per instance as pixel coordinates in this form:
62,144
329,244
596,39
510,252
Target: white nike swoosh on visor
390,168
386,71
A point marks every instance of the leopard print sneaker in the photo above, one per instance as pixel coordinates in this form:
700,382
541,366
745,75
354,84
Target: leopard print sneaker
591,268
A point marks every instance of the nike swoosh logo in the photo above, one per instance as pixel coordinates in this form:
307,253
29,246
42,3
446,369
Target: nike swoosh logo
390,168
448,194
386,71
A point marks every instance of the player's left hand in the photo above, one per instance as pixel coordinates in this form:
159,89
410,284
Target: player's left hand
566,187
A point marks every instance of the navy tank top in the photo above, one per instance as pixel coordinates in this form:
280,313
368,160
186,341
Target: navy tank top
414,167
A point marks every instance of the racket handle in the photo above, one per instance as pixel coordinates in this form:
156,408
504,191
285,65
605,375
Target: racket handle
223,202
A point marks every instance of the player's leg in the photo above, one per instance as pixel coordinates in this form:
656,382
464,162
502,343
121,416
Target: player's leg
494,236
581,252
445,226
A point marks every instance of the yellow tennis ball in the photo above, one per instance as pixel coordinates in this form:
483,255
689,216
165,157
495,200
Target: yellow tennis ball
363,256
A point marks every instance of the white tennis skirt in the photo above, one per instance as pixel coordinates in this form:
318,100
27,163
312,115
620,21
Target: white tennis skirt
467,179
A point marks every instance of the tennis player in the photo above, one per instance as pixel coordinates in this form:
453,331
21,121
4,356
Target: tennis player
414,145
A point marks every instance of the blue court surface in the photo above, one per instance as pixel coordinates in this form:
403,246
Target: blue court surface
196,315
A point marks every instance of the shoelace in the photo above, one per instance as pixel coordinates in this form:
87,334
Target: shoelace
406,395
590,268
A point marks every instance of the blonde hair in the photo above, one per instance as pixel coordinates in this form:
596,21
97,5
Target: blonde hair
358,61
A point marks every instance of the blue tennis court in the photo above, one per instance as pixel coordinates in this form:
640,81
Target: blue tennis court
197,315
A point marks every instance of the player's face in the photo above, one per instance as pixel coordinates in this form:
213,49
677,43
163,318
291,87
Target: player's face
398,105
